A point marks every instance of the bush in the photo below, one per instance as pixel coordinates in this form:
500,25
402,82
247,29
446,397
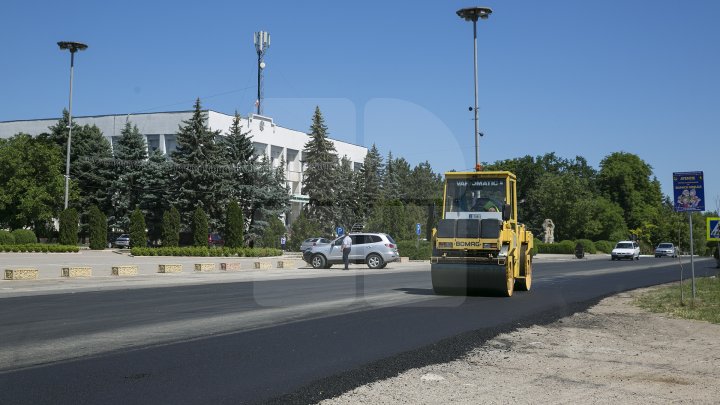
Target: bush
604,246
171,227
407,248
68,227
39,248
6,238
138,234
24,236
588,245
200,228
564,247
98,228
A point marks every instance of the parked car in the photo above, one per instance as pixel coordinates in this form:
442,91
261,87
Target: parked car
308,243
122,241
216,240
627,249
666,249
374,249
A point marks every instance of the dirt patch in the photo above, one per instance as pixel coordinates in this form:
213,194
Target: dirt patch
614,352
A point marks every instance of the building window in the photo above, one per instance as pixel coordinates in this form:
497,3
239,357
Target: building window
153,142
170,143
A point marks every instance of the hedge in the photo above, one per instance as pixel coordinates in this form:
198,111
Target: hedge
6,238
407,248
204,251
24,236
588,245
604,246
39,248
564,247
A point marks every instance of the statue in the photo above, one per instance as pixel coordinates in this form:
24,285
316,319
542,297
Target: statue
549,231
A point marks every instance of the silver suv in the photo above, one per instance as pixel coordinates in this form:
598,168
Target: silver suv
374,249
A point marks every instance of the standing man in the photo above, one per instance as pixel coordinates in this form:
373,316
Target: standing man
282,242
346,245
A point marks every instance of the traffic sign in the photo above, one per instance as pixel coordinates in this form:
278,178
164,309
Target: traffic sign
417,229
340,231
713,229
688,191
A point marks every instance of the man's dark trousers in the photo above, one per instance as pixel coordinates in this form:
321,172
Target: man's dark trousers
346,257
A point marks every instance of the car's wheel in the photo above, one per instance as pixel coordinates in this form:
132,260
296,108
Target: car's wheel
374,261
318,261
638,257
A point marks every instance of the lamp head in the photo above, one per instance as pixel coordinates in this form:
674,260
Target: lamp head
473,13
72,46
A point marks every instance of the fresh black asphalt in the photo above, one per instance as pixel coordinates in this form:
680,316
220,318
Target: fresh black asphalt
293,362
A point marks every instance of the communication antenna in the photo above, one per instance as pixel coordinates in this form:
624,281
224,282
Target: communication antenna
262,43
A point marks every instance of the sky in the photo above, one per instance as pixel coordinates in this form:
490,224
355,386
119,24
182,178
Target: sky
578,78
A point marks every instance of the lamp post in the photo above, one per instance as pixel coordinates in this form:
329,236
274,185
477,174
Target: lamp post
473,14
72,47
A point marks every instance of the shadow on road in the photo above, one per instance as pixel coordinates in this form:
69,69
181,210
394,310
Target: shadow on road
416,291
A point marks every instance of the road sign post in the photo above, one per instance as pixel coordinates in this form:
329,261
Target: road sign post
417,231
689,196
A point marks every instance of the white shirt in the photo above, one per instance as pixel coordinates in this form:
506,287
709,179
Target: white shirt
347,242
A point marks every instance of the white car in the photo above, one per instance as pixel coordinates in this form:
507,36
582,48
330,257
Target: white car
626,249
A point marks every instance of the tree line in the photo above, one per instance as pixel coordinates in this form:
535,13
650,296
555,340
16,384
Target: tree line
209,171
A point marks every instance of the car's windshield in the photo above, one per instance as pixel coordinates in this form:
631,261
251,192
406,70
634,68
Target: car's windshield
626,245
665,245
475,195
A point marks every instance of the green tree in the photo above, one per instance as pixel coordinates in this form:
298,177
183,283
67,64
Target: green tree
138,233
370,185
154,192
197,178
234,226
272,234
69,227
171,227
346,202
302,228
269,199
319,182
625,179
31,183
200,227
130,155
98,228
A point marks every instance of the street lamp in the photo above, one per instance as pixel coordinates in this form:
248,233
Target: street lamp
473,14
72,47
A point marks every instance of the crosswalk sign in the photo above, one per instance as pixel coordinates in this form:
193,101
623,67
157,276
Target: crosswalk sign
713,229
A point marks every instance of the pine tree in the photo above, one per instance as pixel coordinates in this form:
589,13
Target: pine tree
197,178
347,196
234,226
171,227
154,194
269,198
272,234
130,154
302,228
319,183
98,228
138,235
200,229
371,181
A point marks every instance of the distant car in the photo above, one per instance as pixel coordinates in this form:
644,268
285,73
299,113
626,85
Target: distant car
666,249
122,241
308,243
626,249
216,240
374,249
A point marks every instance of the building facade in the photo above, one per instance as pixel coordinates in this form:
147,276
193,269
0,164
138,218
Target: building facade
279,144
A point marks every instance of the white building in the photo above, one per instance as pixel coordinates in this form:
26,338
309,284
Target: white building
278,143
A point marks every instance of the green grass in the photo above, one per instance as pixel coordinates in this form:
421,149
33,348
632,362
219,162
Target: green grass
666,300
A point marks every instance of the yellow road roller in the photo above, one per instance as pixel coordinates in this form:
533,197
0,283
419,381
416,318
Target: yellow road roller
479,247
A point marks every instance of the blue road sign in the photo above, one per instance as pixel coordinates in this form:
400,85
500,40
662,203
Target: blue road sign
688,191
340,230
713,229
417,229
